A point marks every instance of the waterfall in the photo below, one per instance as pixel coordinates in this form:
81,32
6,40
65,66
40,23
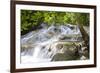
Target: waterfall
44,40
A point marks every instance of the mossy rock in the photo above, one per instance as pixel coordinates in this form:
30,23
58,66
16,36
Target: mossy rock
65,57
70,52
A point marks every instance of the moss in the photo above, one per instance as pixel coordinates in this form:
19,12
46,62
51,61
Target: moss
64,57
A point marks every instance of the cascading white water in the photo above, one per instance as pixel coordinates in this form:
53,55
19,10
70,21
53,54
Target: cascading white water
44,40
36,51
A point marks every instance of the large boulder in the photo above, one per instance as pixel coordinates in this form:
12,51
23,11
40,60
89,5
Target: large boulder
70,52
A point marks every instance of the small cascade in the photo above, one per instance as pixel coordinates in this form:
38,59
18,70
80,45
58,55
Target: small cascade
36,51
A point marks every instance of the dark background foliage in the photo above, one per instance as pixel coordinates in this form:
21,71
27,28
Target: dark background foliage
31,19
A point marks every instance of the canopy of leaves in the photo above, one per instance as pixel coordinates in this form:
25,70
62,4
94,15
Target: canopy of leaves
32,19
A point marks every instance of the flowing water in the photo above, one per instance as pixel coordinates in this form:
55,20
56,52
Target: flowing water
40,45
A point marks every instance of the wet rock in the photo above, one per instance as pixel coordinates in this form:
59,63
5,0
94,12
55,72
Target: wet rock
83,58
71,26
64,37
85,52
26,47
70,52
43,47
59,46
50,34
49,49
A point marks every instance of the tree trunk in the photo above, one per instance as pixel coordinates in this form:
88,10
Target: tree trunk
85,36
